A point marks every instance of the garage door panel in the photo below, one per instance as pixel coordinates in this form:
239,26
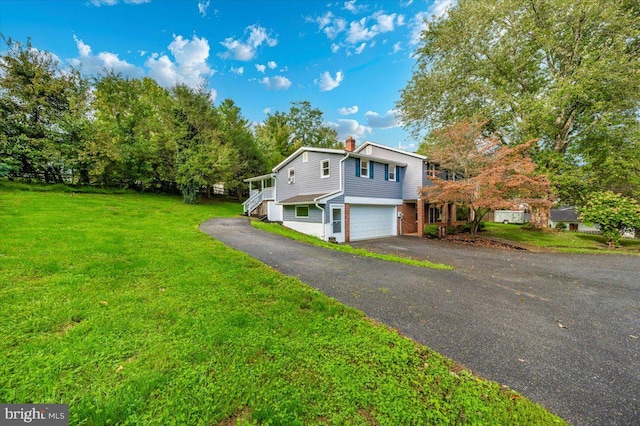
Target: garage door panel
368,221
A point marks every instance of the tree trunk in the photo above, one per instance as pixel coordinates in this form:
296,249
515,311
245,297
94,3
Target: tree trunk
540,217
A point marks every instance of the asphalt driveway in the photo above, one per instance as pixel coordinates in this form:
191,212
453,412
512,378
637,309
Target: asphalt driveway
561,329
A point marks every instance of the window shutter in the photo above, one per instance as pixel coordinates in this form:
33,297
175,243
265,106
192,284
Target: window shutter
397,173
371,169
357,167
386,172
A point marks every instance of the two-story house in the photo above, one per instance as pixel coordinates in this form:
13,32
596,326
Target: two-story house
347,195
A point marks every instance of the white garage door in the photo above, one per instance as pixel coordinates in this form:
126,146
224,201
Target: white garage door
371,222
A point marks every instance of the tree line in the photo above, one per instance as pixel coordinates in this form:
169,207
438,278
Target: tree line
60,126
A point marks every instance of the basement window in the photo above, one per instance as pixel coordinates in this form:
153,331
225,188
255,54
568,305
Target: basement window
302,211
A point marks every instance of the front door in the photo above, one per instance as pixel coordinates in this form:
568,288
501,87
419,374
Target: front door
337,223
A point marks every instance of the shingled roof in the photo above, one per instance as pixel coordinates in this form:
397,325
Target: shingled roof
564,214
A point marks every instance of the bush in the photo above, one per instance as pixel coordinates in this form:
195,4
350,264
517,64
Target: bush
561,225
482,226
452,230
431,231
466,228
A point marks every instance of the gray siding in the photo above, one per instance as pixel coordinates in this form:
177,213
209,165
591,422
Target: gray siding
315,214
413,178
308,176
357,186
327,211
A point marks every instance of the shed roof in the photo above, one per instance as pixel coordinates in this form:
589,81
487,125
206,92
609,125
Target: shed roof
304,198
564,214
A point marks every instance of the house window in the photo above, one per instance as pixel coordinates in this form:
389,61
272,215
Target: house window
302,211
368,150
291,173
364,168
324,169
305,157
392,172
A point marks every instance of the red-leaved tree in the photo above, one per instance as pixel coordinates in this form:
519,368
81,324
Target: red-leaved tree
489,174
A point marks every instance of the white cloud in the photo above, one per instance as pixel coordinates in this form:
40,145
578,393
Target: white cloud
348,110
385,23
213,94
245,51
239,70
261,68
387,121
266,110
324,20
327,83
335,47
358,32
142,52
96,64
348,127
351,6
440,7
420,21
190,66
272,64
397,47
418,24
276,83
335,28
360,48
203,6
99,3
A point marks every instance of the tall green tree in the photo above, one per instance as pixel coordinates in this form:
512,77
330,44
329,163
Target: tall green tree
43,114
202,158
282,133
248,159
308,128
563,71
552,69
133,145
274,138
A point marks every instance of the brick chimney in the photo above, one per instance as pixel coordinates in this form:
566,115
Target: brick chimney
350,144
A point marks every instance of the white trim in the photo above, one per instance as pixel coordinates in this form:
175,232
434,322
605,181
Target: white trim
322,175
371,200
369,150
400,151
391,167
303,149
362,161
308,211
291,177
340,236
305,157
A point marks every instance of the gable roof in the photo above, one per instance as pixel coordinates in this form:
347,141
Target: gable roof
399,151
306,148
336,151
564,214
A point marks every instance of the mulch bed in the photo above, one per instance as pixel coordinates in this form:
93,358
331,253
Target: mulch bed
480,242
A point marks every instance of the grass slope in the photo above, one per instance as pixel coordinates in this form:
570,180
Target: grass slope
572,242
294,235
120,307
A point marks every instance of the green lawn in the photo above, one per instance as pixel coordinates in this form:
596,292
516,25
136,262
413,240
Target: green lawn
566,241
294,235
117,305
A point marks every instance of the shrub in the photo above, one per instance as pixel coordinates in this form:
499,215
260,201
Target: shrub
561,225
613,212
452,230
431,231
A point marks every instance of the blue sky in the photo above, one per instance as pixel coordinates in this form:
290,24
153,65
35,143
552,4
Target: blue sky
348,58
